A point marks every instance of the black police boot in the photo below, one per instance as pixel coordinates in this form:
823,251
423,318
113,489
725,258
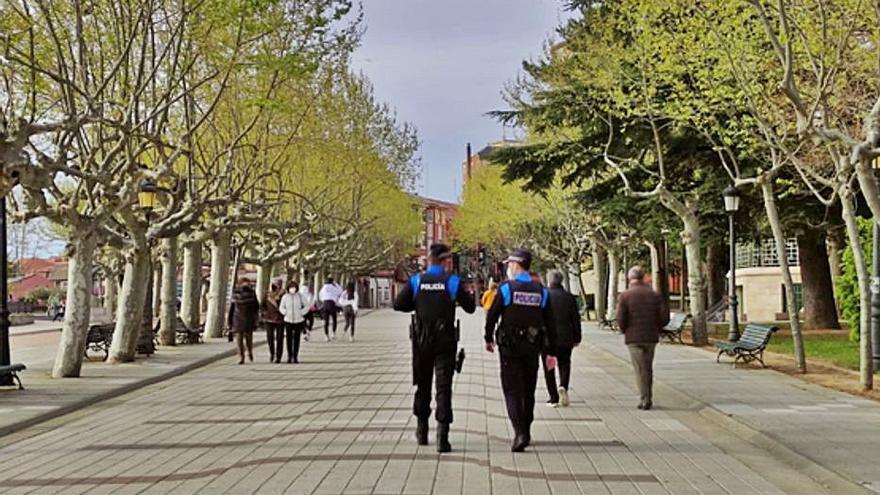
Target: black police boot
519,443
422,432
443,438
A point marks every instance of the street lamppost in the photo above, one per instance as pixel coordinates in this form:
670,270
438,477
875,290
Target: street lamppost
875,282
625,239
5,352
148,200
731,205
664,283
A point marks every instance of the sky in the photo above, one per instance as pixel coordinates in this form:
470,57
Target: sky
444,63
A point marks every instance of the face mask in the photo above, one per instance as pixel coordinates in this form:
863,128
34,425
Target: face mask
291,290
510,273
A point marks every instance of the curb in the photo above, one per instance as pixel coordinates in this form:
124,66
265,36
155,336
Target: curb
116,392
833,480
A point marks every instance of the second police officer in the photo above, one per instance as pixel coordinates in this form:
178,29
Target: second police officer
433,295
524,332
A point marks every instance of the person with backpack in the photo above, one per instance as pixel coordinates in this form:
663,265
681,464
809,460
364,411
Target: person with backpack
349,303
293,307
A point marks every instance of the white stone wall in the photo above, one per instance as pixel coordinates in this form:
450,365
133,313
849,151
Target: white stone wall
760,292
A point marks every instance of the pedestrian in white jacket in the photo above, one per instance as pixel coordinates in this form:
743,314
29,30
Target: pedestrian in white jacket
294,308
349,302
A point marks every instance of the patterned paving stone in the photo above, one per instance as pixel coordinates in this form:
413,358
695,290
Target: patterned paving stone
340,423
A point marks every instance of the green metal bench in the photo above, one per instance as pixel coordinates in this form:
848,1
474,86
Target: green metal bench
12,370
672,330
750,346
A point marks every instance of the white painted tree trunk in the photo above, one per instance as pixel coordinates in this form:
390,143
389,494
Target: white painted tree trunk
69,357
600,269
215,320
800,360
130,313
866,362
168,311
613,283
190,301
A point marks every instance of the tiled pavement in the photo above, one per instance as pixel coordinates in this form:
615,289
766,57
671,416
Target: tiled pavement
340,422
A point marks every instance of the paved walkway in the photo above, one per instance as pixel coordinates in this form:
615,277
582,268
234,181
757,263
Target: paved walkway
836,430
340,422
45,397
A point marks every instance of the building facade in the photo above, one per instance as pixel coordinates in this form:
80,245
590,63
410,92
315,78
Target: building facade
759,288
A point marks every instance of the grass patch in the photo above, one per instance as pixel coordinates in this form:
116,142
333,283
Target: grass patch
835,348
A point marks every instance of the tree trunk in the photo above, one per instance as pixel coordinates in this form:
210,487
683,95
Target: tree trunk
715,268
69,357
800,360
696,281
834,260
264,277
111,292
215,320
866,361
820,311
190,302
130,313
157,287
600,270
168,313
613,281
655,266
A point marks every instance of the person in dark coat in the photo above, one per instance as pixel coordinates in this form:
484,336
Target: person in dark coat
244,313
641,316
567,321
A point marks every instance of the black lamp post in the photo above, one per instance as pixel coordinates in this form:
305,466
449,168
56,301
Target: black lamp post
5,353
875,283
731,205
625,239
147,200
664,283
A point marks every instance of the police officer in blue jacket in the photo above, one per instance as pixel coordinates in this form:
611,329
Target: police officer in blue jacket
433,296
525,331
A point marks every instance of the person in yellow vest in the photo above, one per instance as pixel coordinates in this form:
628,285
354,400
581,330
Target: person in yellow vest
489,295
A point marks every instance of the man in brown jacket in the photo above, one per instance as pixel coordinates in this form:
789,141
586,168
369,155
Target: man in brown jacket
641,316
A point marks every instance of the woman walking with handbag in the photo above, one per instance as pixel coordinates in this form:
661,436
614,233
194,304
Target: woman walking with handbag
273,321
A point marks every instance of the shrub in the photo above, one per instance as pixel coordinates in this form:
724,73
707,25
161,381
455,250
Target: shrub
848,282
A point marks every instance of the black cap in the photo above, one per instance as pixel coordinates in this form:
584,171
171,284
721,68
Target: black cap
440,251
521,256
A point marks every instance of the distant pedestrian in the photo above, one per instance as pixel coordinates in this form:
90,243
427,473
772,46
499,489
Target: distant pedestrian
329,297
59,311
273,322
489,295
349,303
311,309
641,316
242,319
293,307
567,321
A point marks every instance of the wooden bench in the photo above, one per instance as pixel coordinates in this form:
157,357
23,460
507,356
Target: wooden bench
99,338
750,346
13,370
672,330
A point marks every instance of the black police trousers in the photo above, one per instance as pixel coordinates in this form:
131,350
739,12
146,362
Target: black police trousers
519,378
439,360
